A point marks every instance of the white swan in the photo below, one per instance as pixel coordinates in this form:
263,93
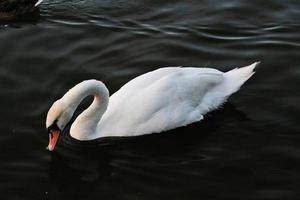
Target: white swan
157,101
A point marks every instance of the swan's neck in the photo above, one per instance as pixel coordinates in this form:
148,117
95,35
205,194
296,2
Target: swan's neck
85,125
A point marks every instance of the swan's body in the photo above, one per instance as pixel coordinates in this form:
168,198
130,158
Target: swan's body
157,101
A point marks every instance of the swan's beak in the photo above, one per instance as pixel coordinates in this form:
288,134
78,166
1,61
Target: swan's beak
53,137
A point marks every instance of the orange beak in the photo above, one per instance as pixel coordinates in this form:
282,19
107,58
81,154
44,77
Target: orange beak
53,137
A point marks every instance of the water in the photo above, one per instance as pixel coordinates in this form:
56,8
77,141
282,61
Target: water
249,149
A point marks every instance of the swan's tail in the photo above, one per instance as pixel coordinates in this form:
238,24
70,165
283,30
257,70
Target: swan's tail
235,78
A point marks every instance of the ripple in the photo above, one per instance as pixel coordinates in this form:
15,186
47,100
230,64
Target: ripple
246,150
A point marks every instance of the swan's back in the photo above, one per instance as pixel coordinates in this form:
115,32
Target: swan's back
168,98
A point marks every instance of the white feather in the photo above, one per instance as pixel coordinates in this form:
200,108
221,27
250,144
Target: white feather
157,101
38,3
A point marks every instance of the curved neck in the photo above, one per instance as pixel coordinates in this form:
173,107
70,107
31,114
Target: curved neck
85,125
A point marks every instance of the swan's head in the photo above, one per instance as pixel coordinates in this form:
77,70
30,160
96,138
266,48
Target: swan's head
57,118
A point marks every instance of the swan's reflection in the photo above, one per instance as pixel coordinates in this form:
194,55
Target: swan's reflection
75,166
78,165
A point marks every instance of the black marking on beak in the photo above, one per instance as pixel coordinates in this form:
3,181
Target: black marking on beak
53,127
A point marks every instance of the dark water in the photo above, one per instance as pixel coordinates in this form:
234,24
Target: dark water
249,149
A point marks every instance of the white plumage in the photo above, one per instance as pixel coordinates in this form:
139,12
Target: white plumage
38,2
154,102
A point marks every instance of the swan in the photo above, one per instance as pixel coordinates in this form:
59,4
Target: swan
153,102
9,9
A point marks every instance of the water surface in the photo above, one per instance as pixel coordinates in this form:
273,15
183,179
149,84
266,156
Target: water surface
249,149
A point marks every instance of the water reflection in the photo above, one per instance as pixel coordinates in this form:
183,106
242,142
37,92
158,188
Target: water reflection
78,171
252,154
80,165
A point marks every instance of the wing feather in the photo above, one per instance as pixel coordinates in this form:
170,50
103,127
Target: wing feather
160,100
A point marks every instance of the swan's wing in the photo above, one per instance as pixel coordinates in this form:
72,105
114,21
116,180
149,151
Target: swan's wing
160,101
144,80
